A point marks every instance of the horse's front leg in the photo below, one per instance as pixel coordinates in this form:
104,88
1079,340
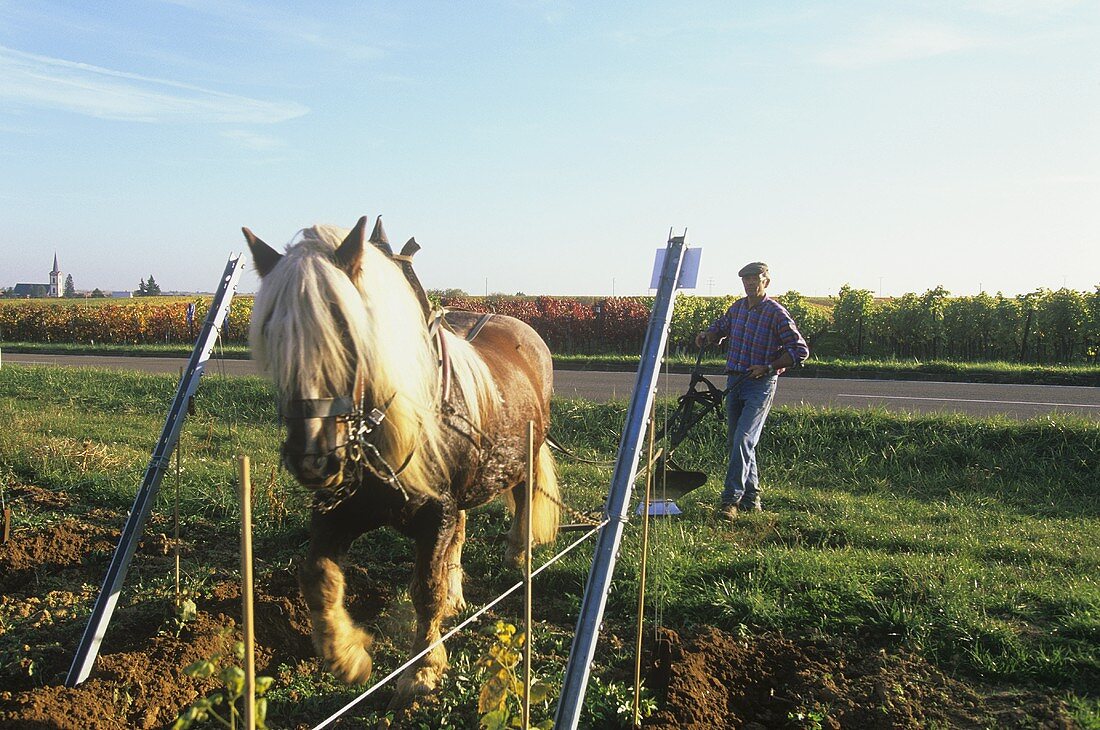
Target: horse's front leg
456,601
342,644
433,530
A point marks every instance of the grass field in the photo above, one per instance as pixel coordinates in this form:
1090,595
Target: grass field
971,544
973,372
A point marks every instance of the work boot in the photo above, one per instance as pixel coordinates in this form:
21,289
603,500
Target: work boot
728,512
751,504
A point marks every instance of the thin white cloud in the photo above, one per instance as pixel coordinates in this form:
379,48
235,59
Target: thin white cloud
253,141
301,27
890,43
552,12
1024,8
82,88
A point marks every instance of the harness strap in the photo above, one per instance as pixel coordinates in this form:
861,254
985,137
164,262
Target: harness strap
318,408
435,329
445,366
481,322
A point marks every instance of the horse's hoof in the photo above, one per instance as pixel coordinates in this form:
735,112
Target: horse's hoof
515,557
415,682
349,659
354,667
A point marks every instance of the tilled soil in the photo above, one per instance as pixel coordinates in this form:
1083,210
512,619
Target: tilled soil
715,680
709,679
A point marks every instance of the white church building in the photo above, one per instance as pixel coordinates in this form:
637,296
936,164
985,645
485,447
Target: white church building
56,287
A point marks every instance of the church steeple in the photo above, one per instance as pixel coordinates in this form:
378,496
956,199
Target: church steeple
56,288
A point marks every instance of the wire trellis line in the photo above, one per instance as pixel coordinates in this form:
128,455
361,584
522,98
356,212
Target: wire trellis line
377,685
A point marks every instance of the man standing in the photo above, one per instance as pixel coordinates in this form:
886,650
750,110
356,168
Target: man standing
763,341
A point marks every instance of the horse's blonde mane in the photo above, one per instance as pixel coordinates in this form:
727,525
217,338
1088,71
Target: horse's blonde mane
313,328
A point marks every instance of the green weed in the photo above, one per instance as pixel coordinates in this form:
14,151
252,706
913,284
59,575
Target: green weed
220,706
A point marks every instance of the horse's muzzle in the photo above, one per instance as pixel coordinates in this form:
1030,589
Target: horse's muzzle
314,471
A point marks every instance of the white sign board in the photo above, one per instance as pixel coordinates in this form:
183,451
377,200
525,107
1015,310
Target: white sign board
689,269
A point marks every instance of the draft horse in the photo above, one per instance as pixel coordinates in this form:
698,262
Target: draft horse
392,420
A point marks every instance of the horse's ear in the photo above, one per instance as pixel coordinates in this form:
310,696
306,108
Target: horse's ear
378,238
264,256
349,256
410,248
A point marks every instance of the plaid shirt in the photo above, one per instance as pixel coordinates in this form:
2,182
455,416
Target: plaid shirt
757,336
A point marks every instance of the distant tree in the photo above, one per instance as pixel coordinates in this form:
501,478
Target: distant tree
1092,331
70,290
97,293
148,288
447,293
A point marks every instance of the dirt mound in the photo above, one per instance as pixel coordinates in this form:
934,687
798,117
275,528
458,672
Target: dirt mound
133,689
49,577
715,680
137,680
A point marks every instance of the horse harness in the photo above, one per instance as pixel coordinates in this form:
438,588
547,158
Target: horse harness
361,425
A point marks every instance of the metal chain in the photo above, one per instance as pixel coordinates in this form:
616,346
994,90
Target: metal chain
583,518
579,516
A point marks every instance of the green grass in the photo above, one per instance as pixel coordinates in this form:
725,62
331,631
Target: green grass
973,543
236,352
976,372
973,372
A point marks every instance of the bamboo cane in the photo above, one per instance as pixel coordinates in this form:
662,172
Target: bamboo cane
246,593
527,576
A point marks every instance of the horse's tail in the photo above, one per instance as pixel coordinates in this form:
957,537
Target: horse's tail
545,513
546,510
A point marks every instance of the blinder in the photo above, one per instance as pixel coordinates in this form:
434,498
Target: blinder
318,408
359,450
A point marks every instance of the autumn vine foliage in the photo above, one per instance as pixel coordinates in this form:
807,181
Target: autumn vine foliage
148,320
1043,326
571,325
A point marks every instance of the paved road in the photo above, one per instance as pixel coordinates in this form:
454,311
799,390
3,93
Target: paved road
979,399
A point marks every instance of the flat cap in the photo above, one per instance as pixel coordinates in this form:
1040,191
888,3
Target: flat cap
756,267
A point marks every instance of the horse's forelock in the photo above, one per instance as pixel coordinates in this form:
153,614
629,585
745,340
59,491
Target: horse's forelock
307,316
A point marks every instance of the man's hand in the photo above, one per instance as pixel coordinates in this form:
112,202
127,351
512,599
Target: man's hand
758,371
702,339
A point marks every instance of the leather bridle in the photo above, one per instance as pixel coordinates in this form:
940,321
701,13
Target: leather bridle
360,428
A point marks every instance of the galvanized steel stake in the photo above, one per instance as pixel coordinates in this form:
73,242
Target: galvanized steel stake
158,464
618,501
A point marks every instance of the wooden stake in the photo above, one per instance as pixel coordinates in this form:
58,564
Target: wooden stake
527,572
7,526
246,593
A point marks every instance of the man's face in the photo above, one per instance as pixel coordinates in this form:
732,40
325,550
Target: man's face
755,285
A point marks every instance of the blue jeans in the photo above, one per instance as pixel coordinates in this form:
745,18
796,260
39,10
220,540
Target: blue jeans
747,406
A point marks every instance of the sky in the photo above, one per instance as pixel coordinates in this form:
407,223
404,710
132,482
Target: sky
549,147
